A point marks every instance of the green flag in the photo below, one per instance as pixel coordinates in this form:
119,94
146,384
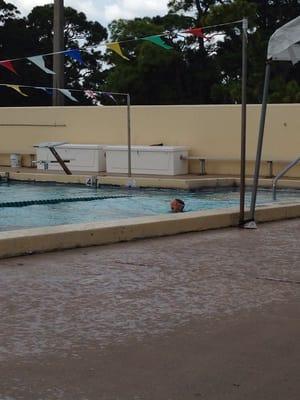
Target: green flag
156,39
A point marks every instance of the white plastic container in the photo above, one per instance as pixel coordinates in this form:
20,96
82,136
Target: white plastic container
81,157
15,160
150,160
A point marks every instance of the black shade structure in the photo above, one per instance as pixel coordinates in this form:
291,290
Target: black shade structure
284,45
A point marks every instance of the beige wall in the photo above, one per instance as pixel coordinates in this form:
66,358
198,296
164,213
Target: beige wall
209,131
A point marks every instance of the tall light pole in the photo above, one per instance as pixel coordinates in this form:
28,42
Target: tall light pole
58,45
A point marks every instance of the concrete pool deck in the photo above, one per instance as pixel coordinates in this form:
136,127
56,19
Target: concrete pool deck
211,315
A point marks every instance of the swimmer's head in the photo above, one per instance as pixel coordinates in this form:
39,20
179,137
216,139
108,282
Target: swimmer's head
177,205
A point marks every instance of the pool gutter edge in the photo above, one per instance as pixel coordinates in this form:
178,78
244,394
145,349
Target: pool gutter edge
166,182
39,240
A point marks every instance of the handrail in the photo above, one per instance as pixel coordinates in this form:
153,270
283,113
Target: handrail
283,172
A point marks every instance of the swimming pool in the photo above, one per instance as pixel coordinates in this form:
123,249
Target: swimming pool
134,203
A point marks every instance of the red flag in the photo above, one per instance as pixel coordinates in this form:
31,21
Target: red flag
196,32
8,65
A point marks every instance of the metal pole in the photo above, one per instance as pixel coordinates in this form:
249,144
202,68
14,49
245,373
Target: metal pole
281,174
129,134
244,124
58,45
260,140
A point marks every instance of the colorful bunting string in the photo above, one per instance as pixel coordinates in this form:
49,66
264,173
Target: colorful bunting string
110,95
157,39
75,54
198,32
91,94
46,90
8,65
115,46
40,62
17,89
68,94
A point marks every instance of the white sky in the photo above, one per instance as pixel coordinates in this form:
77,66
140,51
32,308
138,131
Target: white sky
104,10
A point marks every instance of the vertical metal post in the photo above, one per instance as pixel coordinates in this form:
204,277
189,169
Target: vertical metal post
244,123
58,45
260,140
129,134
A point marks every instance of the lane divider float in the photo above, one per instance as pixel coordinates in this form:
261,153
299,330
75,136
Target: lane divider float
27,203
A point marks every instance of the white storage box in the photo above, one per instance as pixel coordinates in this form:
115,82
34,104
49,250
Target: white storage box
152,160
83,157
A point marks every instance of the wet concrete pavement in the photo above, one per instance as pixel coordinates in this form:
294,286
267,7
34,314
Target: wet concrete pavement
211,315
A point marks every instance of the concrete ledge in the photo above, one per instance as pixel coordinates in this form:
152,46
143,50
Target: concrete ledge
268,183
177,182
36,240
140,181
42,177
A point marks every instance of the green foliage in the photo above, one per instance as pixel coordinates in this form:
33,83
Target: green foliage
264,18
196,71
23,37
79,33
7,11
155,75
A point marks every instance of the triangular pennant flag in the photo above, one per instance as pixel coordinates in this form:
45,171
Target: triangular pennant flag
46,90
115,46
68,94
40,62
90,94
156,39
111,97
8,65
196,32
75,54
17,89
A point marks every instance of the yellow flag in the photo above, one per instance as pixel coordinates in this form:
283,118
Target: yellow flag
17,89
115,46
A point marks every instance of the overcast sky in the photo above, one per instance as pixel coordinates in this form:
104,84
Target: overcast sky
104,10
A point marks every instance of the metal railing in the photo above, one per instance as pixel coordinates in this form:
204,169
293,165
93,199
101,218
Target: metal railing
281,174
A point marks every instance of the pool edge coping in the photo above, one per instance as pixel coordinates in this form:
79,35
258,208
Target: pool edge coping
166,182
63,237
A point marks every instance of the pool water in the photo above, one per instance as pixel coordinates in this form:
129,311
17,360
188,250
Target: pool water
140,202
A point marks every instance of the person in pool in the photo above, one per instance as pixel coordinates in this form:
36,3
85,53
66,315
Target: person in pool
177,205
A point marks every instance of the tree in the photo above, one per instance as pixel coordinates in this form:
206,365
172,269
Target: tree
23,37
7,11
196,71
155,75
264,18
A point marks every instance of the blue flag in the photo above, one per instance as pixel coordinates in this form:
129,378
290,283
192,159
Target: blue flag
75,54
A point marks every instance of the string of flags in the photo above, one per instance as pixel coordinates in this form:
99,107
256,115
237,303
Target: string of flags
40,62
75,54
89,94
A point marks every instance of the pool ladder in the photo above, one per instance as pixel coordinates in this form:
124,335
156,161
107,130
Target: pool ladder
281,174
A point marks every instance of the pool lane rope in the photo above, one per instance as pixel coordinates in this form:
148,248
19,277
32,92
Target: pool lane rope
26,203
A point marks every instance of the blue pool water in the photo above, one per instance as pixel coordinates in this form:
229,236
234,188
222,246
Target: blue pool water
140,202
